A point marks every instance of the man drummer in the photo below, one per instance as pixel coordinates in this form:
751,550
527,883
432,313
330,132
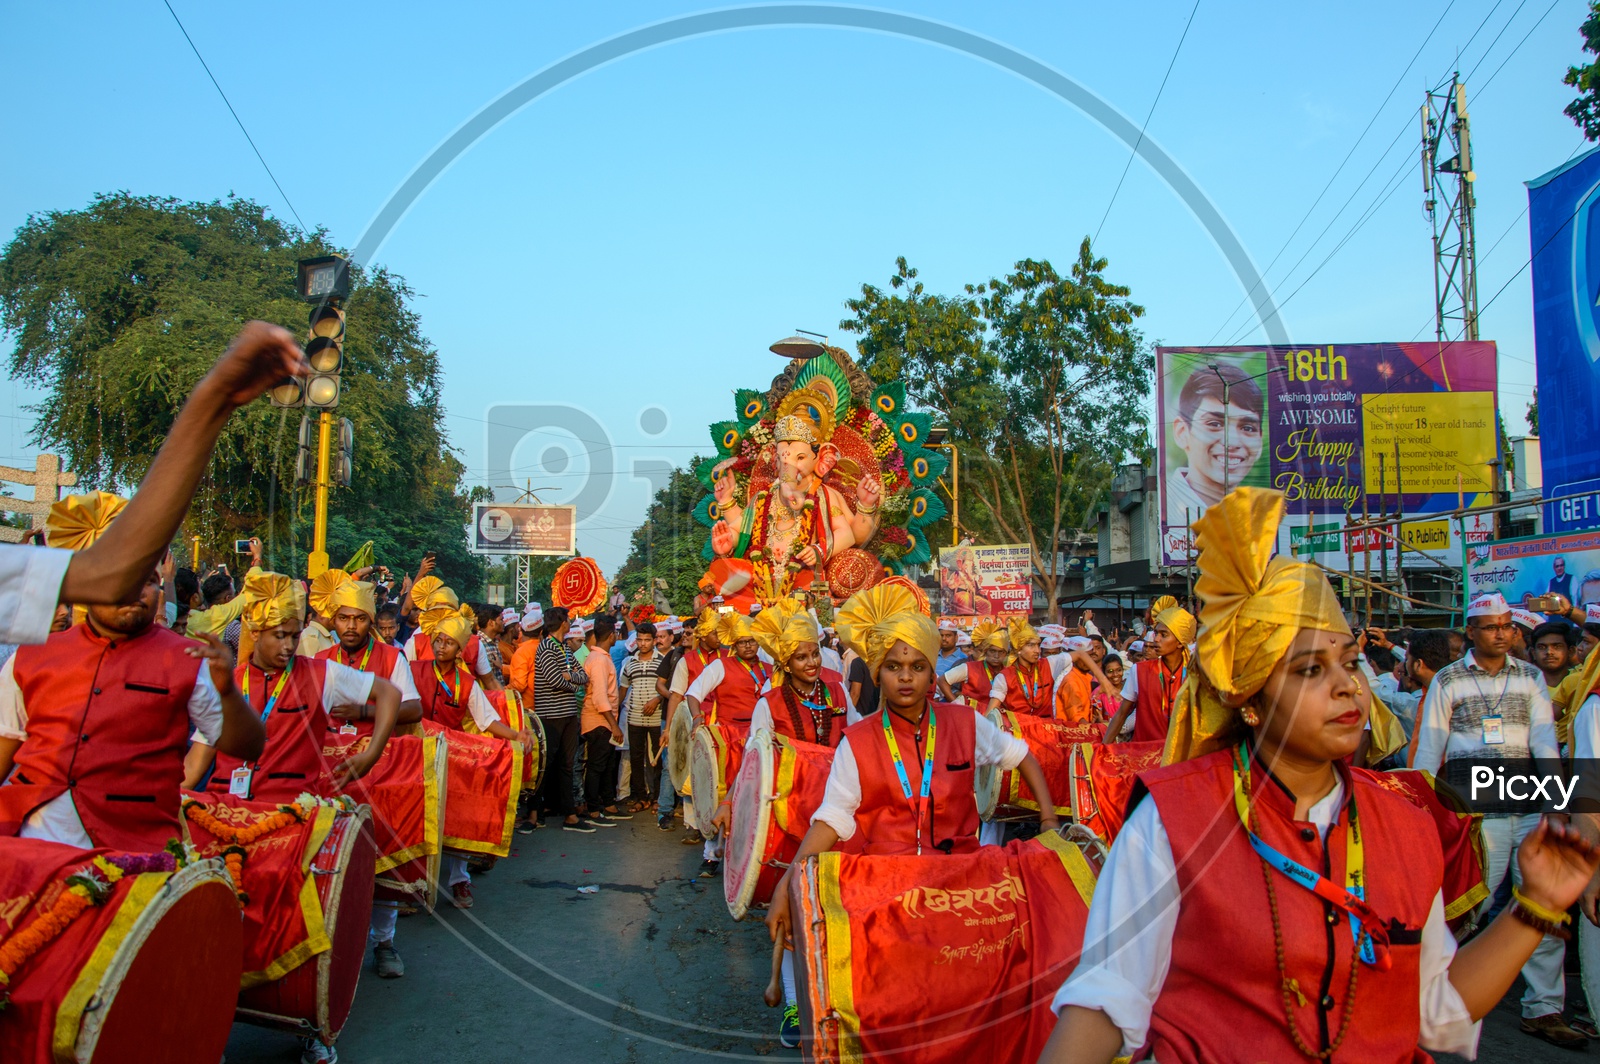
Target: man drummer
973,677
351,606
95,720
873,787
707,648
1151,689
1025,686
729,686
432,600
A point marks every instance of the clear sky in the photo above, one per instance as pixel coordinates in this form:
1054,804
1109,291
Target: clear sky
634,240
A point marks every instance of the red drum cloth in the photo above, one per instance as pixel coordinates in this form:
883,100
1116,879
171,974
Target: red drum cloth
779,786
406,790
1051,742
283,926
937,958
511,709
1460,837
152,973
481,791
319,993
1103,781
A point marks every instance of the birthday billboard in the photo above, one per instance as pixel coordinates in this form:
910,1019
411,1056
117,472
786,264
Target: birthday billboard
1340,429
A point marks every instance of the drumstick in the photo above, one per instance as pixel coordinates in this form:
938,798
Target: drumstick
773,994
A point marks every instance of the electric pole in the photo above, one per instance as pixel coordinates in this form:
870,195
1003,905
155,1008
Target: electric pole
1446,134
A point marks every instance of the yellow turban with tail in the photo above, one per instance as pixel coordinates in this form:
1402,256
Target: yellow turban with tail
732,627
270,600
77,521
431,618
1180,622
874,620
1253,605
781,629
707,624
1021,633
430,591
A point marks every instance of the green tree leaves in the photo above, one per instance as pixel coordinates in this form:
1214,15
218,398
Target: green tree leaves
1585,110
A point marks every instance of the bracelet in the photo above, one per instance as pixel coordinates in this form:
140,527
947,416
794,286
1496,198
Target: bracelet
1533,908
1544,927
862,509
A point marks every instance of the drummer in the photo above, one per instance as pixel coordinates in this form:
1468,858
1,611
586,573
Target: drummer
430,596
448,695
706,649
872,788
119,790
973,677
292,697
1025,686
1335,939
1152,686
802,701
730,685
351,606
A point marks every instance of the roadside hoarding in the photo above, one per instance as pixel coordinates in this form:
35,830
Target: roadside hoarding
1567,564
1335,427
507,528
978,583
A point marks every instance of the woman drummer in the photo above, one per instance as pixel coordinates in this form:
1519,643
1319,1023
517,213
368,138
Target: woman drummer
1265,901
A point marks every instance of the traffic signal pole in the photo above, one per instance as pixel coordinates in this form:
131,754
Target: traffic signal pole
317,561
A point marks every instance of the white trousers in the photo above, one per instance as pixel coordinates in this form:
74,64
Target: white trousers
1546,992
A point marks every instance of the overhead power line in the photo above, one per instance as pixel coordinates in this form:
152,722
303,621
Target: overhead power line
236,117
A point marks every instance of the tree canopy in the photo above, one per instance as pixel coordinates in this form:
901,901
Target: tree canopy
118,309
1585,110
667,544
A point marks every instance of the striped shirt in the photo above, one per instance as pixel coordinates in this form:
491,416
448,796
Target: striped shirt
1450,725
639,677
554,695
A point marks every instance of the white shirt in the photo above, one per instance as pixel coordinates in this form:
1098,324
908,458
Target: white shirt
57,820
1128,939
680,679
30,587
1449,724
482,710
842,797
1090,628
831,659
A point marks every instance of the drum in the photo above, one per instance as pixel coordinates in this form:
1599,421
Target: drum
482,787
714,757
985,938
680,737
406,790
150,972
780,784
511,710
318,994
1102,779
1051,743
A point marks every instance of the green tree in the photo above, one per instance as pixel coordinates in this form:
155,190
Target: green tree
118,309
1042,380
1585,110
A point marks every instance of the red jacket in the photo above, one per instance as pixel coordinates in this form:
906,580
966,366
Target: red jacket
1036,697
1222,999
734,699
109,721
1157,691
441,704
292,761
886,821
975,688
800,722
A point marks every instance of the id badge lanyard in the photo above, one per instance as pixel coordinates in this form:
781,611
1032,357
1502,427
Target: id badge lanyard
244,775
919,803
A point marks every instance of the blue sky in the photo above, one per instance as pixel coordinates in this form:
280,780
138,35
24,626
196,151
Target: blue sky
635,239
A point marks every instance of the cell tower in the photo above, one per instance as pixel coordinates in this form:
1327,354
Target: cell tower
1445,133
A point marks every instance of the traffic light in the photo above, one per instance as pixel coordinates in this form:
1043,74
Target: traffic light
325,352
291,393
344,462
305,459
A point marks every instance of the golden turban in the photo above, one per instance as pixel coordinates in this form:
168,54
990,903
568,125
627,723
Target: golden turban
871,622
732,627
271,599
1253,606
1020,632
988,634
780,629
436,614
77,521
455,626
430,591
707,624
322,589
1179,621
355,595
1157,605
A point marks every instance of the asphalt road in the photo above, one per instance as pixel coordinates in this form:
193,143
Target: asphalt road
648,969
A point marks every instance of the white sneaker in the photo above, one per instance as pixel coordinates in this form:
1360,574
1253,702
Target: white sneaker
314,1050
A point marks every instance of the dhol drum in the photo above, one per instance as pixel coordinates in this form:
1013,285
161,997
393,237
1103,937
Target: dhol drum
406,790
1102,779
1051,743
483,784
714,757
509,705
680,739
151,971
985,938
318,994
780,784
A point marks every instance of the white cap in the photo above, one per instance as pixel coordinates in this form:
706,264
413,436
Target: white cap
947,625
1591,613
533,616
1526,618
963,638
1136,647
1079,642
508,616
1049,641
1488,605
633,640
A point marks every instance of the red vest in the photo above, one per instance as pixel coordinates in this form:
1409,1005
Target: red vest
975,688
438,703
422,650
886,821
734,699
109,721
380,662
783,721
292,761
1222,999
1153,704
1041,689
696,661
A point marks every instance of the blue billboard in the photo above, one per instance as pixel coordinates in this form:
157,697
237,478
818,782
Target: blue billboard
1564,233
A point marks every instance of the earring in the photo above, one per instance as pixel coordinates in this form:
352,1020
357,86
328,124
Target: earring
1251,717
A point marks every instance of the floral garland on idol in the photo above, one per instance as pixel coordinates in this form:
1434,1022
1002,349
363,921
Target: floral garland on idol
804,535
240,836
88,887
